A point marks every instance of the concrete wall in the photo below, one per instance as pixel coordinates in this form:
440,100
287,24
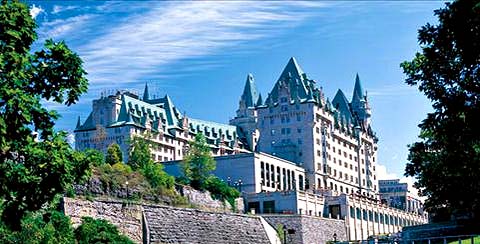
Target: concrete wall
309,229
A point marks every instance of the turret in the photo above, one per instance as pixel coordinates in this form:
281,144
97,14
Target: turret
250,97
359,103
146,95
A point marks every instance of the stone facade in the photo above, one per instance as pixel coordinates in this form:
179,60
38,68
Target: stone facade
117,118
309,229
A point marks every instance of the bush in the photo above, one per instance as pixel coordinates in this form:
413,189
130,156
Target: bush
220,190
50,227
156,176
99,231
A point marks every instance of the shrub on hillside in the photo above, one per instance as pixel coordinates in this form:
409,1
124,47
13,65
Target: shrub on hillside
220,190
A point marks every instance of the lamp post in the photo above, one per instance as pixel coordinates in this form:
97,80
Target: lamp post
240,185
284,234
229,181
335,237
126,184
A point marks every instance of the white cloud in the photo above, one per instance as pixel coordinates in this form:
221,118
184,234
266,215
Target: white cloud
58,8
71,139
35,11
61,27
382,173
145,44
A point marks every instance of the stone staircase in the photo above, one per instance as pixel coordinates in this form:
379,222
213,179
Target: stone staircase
174,225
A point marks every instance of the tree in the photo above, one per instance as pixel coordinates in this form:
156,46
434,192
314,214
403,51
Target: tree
114,154
33,171
140,159
446,161
139,153
198,163
99,231
50,227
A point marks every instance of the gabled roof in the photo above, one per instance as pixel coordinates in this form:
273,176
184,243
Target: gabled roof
295,80
87,125
340,102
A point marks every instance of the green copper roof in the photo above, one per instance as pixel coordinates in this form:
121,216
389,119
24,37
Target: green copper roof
161,112
358,93
250,94
146,95
296,82
340,102
87,125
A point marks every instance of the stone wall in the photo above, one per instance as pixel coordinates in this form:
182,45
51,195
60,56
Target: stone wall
164,224
309,229
175,225
128,218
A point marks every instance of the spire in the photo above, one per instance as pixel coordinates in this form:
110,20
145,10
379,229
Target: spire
358,93
146,95
78,123
250,94
259,100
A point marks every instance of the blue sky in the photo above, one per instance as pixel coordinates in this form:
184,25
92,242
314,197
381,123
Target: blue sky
201,52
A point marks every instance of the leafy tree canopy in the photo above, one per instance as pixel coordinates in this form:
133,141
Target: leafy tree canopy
140,159
33,171
446,161
114,154
198,163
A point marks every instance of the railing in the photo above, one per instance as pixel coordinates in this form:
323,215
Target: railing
460,239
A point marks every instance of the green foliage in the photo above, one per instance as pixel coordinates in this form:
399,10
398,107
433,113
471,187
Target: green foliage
51,227
114,154
220,190
99,231
140,159
446,162
33,171
157,177
198,163
115,176
139,153
280,232
95,156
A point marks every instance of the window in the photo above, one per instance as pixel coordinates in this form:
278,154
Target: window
370,215
283,100
352,212
272,132
358,213
364,213
299,118
300,131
